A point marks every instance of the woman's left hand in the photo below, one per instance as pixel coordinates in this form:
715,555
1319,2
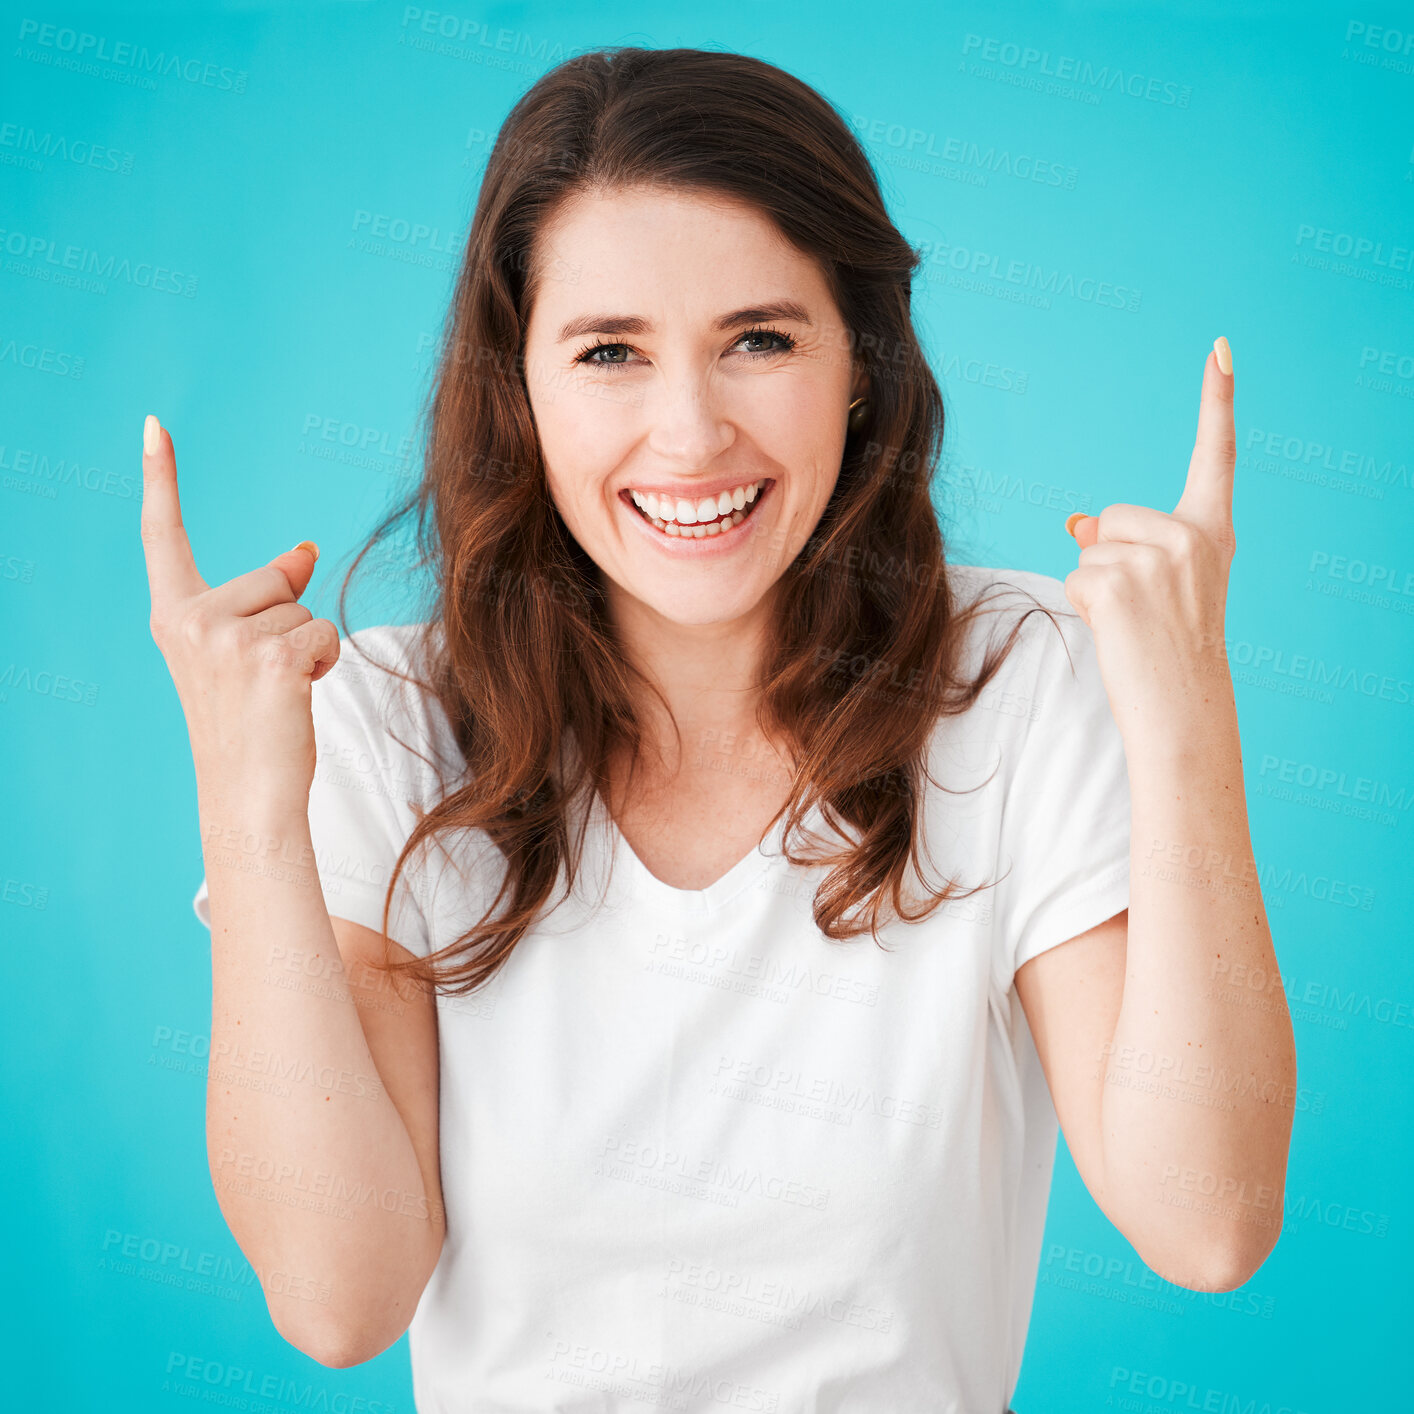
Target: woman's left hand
1153,587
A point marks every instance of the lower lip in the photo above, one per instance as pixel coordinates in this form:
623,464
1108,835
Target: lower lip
691,546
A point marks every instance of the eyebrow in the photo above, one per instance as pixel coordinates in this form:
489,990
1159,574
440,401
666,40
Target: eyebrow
780,309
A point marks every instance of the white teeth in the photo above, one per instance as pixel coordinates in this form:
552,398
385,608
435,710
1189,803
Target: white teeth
687,513
695,522
696,532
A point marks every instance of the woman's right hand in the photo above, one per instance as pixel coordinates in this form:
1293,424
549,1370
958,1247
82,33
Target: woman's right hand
243,656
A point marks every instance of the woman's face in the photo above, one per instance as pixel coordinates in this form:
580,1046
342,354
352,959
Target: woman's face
662,367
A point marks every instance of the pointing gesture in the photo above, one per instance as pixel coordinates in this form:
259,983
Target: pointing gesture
1153,586
243,655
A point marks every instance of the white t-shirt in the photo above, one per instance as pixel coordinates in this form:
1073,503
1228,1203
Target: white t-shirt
694,1154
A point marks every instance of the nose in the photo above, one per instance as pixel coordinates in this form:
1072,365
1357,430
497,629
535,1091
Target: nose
686,424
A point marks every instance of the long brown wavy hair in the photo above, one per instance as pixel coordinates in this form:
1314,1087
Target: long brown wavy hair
518,649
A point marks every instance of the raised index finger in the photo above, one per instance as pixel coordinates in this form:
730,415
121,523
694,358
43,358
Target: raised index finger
171,570
1207,494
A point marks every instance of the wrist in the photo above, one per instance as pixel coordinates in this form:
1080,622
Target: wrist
270,807
1183,747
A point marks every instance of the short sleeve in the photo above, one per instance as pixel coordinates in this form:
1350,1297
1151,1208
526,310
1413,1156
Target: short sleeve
366,784
1065,828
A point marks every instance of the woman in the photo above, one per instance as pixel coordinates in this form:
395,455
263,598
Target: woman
696,1115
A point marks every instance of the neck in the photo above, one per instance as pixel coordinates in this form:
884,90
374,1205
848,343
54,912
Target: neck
709,675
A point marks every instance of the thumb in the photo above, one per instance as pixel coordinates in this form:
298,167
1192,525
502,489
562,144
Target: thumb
297,565
1085,528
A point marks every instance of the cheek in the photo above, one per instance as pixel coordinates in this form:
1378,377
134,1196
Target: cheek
795,421
580,431
805,443
579,488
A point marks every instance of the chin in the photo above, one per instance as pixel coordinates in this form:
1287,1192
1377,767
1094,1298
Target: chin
692,609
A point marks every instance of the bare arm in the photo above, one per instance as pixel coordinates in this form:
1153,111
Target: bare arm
321,1117
321,1110
1165,1032
1166,1038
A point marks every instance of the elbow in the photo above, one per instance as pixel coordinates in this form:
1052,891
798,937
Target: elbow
338,1355
1243,1265
337,1345
339,1336
1218,1259
1223,1267
1225,1271
334,1348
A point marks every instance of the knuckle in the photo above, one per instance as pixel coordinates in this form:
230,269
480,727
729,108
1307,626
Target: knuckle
271,654
195,625
1186,541
1152,563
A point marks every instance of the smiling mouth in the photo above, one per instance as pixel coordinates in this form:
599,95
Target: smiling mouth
698,530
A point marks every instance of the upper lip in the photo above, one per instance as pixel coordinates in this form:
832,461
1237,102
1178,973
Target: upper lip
701,491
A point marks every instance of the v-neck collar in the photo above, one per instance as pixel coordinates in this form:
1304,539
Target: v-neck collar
644,884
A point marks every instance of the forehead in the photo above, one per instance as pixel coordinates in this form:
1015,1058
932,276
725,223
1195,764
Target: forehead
669,253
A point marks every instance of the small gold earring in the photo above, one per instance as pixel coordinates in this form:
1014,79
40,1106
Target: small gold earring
858,412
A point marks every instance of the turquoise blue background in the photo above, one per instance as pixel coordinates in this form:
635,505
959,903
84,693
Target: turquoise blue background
284,338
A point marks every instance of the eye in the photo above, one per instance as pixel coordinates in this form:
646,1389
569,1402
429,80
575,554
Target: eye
785,341
589,354
586,355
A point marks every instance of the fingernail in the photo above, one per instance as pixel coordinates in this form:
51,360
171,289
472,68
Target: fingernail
1223,349
151,435
1071,519
310,546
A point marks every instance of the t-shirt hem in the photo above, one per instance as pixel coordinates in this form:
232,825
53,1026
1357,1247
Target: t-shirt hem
359,903
363,904
1102,896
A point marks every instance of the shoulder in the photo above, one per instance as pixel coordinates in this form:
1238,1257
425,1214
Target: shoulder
373,667
367,654
378,685
1005,586
1033,604
1045,680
